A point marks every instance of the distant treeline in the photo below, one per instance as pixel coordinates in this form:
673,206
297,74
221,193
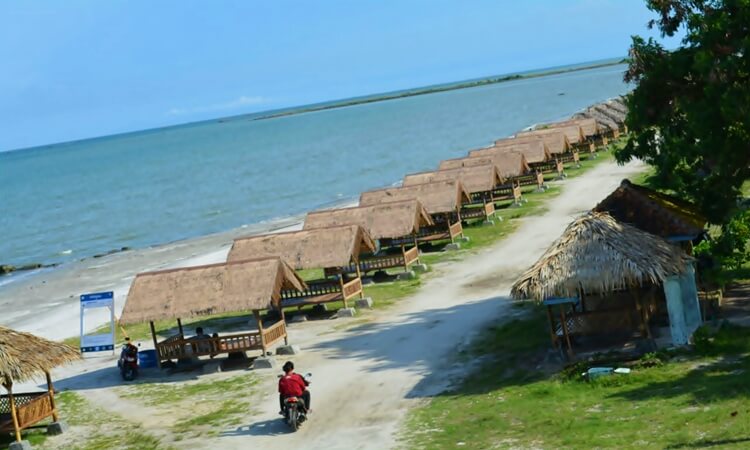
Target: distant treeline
432,90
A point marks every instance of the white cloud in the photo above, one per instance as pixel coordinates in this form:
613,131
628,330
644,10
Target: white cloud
241,101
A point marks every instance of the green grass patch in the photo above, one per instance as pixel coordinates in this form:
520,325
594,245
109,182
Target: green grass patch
162,394
221,415
684,400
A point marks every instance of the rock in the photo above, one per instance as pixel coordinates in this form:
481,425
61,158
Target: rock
264,362
6,268
464,239
452,247
408,275
346,312
363,303
421,268
23,445
56,428
297,318
288,350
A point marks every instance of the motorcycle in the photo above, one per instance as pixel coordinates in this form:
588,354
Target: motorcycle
128,362
294,412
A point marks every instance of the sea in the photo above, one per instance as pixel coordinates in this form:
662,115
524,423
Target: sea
65,202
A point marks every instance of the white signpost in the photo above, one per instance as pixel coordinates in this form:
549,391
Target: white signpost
98,342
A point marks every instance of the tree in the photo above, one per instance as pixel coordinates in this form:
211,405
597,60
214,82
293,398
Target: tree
689,113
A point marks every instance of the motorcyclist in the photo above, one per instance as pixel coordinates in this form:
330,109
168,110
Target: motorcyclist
127,348
292,384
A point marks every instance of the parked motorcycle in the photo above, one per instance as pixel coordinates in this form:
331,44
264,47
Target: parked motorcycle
128,362
294,412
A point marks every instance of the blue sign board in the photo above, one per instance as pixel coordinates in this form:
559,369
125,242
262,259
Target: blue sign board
98,342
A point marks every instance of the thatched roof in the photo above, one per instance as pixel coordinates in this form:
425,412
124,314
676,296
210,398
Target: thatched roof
599,255
534,150
556,139
307,249
652,211
438,197
24,356
603,121
573,131
588,127
509,164
385,220
248,285
474,179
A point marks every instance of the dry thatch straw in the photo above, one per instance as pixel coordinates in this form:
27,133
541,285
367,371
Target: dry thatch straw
386,220
532,148
555,138
599,255
212,289
438,197
481,178
589,127
24,356
307,249
509,164
652,211
603,121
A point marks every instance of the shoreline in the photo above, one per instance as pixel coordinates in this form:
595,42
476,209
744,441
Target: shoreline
46,302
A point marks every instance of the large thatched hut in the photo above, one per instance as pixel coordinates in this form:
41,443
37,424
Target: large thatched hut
249,285
608,279
654,212
333,249
23,357
511,165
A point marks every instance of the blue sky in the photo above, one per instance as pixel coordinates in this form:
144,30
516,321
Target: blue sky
79,69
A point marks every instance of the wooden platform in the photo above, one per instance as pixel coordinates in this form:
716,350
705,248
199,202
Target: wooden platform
322,291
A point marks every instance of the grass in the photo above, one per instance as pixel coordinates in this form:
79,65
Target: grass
686,400
161,394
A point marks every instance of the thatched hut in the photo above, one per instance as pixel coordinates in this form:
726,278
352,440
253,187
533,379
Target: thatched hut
398,225
533,148
654,212
558,141
443,200
23,357
250,285
590,130
333,249
606,275
483,183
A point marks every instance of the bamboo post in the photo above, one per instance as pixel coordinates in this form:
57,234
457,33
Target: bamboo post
403,254
551,326
8,385
343,295
179,325
565,330
51,392
359,275
642,313
156,344
286,335
256,314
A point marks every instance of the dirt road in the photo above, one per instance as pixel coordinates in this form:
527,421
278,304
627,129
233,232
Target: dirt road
366,377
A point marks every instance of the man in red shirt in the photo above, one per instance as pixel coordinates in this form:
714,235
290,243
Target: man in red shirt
293,385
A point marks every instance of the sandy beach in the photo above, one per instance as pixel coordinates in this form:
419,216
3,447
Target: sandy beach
369,371
47,303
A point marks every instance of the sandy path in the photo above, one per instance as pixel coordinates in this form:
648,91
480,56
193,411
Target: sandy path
367,376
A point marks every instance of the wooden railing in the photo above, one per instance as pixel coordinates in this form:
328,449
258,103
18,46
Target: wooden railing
352,288
274,333
314,289
478,212
177,347
411,256
31,408
455,230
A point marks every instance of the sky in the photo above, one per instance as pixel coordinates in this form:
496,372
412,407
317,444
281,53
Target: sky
79,69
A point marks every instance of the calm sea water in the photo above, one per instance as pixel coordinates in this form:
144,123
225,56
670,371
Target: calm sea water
66,202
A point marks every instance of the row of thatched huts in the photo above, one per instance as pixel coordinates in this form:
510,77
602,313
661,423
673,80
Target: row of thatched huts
340,245
382,232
